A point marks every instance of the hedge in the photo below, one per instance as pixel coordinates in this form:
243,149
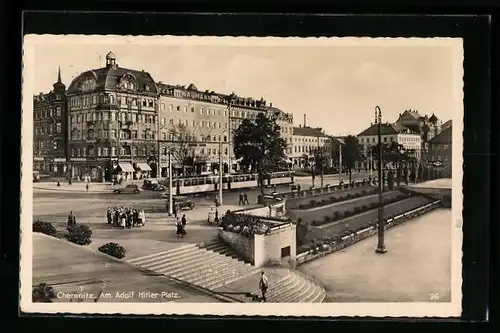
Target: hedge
44,227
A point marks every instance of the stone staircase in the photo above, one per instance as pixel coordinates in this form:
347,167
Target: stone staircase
198,264
218,245
294,288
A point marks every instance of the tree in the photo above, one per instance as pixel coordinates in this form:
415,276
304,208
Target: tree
181,146
351,153
258,144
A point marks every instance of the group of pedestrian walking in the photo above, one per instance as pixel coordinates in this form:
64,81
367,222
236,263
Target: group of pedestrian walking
125,217
243,199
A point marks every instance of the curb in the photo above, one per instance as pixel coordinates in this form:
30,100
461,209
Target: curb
71,191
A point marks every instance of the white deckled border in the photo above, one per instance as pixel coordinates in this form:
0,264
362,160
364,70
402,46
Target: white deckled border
452,309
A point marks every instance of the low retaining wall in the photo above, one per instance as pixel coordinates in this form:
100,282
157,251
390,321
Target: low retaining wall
244,246
326,249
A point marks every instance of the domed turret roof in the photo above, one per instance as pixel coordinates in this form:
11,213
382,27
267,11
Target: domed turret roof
433,119
110,56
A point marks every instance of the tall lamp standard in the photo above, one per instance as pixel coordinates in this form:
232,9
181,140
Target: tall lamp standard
381,223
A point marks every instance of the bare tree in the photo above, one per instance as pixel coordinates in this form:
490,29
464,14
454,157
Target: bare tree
181,145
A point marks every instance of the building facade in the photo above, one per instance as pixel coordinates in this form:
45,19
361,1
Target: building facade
411,141
112,129
306,142
440,150
201,120
49,131
427,127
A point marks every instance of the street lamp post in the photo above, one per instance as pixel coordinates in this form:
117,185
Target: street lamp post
170,194
381,225
340,163
220,172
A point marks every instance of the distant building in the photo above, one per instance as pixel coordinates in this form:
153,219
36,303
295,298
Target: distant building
440,149
306,141
427,127
411,141
49,131
112,114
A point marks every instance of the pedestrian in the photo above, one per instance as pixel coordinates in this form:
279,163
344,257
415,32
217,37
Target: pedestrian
245,199
217,201
180,229
211,216
70,181
87,187
108,215
216,217
58,184
263,285
241,201
123,220
143,217
175,211
71,219
183,221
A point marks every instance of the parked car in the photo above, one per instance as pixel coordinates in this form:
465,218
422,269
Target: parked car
149,184
129,188
181,202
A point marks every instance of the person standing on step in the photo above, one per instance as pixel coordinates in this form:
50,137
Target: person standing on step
245,199
241,201
263,285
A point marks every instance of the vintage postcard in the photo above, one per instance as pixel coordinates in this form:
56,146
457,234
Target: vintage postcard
242,176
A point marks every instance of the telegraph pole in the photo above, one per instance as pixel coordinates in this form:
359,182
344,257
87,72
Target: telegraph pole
381,223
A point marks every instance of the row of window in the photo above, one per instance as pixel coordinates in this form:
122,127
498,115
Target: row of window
308,149
193,123
94,99
113,116
112,134
310,140
48,129
48,113
129,151
391,139
47,144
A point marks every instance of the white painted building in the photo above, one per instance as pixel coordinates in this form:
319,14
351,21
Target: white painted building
411,141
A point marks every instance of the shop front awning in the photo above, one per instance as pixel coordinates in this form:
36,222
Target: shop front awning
143,166
126,167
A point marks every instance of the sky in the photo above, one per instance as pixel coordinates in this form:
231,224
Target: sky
337,86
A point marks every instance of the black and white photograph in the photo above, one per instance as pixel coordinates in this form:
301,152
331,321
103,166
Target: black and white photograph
242,176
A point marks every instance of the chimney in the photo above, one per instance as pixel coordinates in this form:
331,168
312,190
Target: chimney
305,124
270,105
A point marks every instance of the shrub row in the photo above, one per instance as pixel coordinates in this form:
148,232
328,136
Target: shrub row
357,210
335,199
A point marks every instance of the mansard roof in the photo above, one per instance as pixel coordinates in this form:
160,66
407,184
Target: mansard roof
107,78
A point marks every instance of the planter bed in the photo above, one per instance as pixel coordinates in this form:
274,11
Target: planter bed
358,221
308,199
336,211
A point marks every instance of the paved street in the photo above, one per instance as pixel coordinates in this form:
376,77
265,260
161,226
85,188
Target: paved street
417,264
